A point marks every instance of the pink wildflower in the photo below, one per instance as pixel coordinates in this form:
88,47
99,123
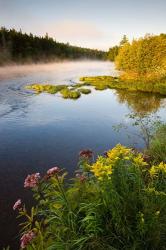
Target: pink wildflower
81,177
87,153
52,171
17,204
27,238
32,180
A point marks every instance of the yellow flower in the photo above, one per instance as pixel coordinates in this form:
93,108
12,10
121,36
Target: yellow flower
159,168
138,160
101,169
119,152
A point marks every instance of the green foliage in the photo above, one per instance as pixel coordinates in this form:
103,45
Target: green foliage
112,53
51,89
144,58
115,202
18,47
157,147
99,82
104,82
70,94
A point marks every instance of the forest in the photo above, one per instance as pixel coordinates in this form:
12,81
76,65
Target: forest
143,58
21,47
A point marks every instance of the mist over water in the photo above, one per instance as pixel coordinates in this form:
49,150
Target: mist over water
10,71
40,131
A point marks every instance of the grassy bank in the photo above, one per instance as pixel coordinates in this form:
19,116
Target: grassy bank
105,82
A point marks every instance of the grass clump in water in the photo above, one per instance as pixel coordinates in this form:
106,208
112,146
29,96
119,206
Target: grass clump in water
51,89
70,94
84,91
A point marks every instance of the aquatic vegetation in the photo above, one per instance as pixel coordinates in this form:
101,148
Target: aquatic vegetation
99,83
117,201
106,82
51,89
84,91
70,94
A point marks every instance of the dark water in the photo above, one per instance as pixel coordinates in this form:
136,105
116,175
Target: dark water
39,131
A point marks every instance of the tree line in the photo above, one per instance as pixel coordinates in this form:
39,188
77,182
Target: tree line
16,46
144,57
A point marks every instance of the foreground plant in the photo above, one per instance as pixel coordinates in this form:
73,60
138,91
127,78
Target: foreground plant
117,201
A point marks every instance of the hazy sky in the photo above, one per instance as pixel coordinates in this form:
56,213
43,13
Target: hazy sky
88,23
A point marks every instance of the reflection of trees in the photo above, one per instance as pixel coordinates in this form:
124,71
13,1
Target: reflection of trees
140,102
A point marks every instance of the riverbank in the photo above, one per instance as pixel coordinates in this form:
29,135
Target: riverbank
105,82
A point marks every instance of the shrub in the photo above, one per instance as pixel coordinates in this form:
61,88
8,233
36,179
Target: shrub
115,202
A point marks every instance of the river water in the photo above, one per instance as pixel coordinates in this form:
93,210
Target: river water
40,131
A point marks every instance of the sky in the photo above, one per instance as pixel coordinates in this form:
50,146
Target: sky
96,24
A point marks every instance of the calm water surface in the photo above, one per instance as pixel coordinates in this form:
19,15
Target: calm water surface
39,131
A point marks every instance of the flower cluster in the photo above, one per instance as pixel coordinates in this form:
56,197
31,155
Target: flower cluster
27,238
17,204
104,166
32,180
119,152
139,160
86,153
53,171
155,170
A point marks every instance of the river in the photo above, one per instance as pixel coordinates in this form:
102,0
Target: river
40,131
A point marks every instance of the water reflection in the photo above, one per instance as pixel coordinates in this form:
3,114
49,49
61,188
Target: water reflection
141,102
